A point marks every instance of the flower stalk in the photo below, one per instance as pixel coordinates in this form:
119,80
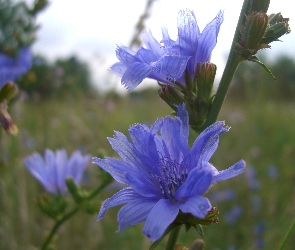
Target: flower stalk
71,213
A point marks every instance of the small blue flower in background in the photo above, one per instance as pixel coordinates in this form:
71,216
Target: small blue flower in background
56,167
12,68
166,61
163,174
223,195
251,175
233,215
272,172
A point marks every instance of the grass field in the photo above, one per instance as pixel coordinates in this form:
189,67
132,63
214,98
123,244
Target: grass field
256,208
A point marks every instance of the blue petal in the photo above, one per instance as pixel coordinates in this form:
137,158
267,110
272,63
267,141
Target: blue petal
115,167
171,66
119,68
207,142
188,32
152,44
167,41
197,183
174,139
125,55
61,170
12,68
135,75
36,165
232,171
52,175
208,39
122,197
124,148
140,136
183,115
196,205
76,165
146,56
146,187
161,216
135,212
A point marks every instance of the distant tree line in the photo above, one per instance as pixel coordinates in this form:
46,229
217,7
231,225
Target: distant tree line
68,76
251,81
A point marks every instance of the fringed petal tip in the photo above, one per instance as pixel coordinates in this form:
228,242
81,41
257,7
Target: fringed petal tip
232,171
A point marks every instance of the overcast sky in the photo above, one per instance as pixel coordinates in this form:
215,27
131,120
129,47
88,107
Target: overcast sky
92,28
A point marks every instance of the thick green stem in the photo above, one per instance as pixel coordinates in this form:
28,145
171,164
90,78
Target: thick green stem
68,215
229,71
173,238
287,236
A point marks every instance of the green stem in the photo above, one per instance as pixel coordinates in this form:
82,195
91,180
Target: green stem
57,225
230,68
173,238
287,236
67,216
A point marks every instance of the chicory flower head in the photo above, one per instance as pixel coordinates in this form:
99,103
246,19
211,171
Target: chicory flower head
166,61
12,68
55,168
164,175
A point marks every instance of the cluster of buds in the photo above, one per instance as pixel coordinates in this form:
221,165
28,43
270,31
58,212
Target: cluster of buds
196,94
259,31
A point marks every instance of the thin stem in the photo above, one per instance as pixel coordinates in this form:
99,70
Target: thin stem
229,71
173,238
67,216
287,236
57,225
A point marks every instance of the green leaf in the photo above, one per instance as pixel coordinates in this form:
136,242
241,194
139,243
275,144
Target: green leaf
256,59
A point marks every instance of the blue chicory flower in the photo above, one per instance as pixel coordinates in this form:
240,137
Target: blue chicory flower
12,68
163,174
166,61
55,168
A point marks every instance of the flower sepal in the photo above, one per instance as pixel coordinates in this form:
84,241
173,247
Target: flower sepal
171,96
52,206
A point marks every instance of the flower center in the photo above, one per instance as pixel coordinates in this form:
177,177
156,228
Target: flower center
170,175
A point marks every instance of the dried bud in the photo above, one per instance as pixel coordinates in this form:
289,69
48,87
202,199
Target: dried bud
278,26
6,121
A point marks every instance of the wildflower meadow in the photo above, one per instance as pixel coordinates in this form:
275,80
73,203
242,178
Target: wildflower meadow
183,165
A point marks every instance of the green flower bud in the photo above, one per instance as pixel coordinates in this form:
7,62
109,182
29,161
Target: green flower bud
254,31
74,190
8,91
170,95
205,75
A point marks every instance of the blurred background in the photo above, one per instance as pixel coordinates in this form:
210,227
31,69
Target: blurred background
70,100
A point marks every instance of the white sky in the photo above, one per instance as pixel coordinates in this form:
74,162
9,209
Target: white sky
92,28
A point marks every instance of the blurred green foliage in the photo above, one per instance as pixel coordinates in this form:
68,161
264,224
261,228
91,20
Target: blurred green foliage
251,82
17,24
63,76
